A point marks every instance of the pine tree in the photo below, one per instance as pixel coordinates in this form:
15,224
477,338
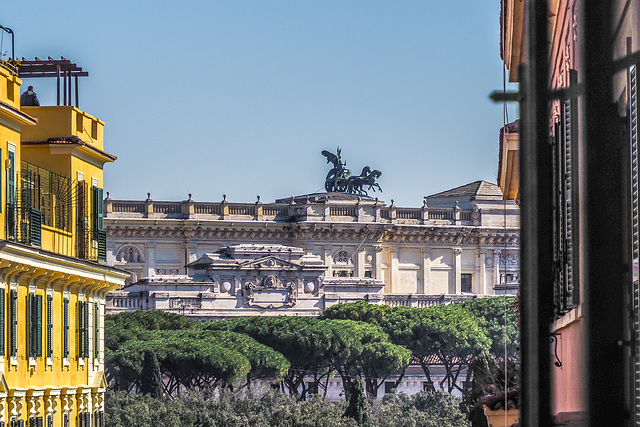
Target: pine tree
151,380
358,404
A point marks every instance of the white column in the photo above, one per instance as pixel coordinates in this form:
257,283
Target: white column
496,269
360,263
378,262
426,270
457,271
151,259
482,284
393,267
328,259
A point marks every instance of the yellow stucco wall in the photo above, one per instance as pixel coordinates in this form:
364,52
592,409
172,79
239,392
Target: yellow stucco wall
29,385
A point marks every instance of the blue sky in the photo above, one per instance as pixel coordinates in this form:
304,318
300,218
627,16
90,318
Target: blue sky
240,97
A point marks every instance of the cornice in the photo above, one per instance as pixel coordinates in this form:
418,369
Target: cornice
123,229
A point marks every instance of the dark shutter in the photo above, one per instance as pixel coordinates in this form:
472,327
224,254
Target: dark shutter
2,322
85,354
565,208
65,328
49,326
38,326
32,325
39,422
102,245
80,326
14,323
35,227
96,330
11,196
635,236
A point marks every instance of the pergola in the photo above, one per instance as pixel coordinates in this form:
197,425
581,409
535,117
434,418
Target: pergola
62,69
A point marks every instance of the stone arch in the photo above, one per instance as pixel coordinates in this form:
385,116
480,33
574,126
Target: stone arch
129,254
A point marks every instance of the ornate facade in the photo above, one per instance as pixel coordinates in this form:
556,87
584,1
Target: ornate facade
460,243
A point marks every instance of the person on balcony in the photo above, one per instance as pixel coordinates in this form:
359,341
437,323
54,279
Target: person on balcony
29,98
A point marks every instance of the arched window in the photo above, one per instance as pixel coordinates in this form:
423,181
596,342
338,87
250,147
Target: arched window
342,257
129,254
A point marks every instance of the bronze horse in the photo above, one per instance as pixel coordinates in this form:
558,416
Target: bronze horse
355,184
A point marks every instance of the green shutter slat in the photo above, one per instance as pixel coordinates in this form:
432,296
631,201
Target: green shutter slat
49,326
2,322
35,227
86,330
38,326
96,330
32,322
80,327
14,323
65,328
102,245
100,208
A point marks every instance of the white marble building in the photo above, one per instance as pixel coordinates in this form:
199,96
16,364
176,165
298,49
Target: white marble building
460,243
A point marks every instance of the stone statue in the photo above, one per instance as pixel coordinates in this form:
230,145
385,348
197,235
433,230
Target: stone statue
339,178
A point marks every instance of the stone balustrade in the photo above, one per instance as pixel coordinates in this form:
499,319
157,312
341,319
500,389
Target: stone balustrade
300,210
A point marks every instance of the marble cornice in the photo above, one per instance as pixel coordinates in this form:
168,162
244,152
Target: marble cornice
319,231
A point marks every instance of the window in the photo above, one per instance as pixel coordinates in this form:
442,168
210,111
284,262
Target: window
96,330
465,282
312,388
83,330
342,257
389,387
11,195
35,325
14,323
2,321
49,326
65,328
565,256
428,386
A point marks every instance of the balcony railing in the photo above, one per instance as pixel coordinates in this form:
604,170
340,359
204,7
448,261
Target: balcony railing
40,197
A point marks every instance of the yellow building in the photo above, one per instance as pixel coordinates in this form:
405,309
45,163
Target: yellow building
53,279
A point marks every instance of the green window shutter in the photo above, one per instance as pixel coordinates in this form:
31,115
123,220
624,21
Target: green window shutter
96,330
14,323
2,322
0,186
31,339
65,328
102,245
35,227
100,208
38,325
49,326
85,354
11,179
80,327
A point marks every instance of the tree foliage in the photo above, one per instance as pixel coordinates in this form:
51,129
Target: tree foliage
435,409
491,313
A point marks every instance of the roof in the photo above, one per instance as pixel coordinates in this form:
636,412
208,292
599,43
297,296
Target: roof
471,191
70,140
24,116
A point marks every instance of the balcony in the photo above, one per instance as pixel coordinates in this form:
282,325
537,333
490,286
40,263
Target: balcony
41,210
